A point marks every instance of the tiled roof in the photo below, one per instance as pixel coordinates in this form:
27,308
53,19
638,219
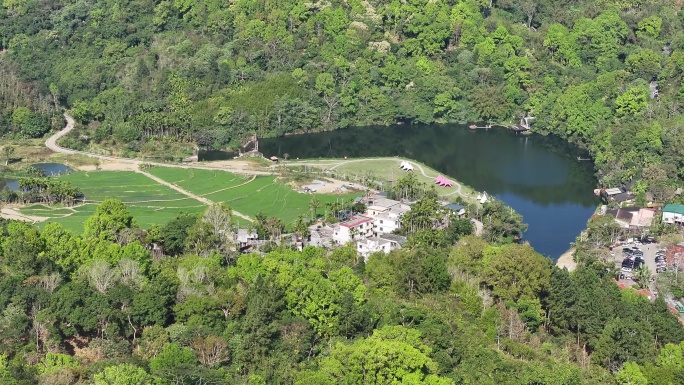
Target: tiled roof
356,221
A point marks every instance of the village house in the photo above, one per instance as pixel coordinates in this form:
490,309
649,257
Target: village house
457,209
382,243
245,237
633,217
618,195
357,227
320,236
386,213
673,214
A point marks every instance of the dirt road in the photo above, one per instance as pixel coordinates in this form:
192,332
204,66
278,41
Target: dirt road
237,167
187,193
10,213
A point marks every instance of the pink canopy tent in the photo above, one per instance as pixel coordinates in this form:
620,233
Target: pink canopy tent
444,182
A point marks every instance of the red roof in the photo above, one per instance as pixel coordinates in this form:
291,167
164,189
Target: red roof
356,221
621,285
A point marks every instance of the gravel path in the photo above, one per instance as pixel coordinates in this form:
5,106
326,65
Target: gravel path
342,163
236,168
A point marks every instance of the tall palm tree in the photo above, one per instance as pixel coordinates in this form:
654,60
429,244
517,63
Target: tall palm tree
314,205
643,274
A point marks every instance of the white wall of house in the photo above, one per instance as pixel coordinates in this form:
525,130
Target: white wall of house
369,246
670,217
343,234
385,224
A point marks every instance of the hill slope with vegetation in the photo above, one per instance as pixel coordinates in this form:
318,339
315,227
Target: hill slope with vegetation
103,308
211,72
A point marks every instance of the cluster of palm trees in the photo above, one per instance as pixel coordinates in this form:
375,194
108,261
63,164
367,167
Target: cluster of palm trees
331,208
46,190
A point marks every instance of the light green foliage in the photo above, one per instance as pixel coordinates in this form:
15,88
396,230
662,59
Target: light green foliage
650,27
631,374
393,354
55,362
631,103
671,356
5,374
110,218
312,290
171,357
645,64
123,374
20,115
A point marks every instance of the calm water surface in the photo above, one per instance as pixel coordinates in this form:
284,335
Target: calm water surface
52,169
540,177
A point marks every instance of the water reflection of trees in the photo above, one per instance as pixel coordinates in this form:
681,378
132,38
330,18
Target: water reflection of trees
470,157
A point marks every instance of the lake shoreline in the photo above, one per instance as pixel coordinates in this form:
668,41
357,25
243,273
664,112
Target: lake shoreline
567,260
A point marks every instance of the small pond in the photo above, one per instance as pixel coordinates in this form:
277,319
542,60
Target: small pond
11,184
53,169
211,155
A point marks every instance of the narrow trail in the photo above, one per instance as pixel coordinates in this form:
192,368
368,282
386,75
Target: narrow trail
342,163
231,187
51,143
10,213
186,192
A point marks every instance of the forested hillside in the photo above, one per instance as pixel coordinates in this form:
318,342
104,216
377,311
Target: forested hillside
211,72
102,308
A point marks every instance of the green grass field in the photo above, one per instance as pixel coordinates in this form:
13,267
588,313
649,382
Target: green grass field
152,203
130,187
148,201
200,182
274,198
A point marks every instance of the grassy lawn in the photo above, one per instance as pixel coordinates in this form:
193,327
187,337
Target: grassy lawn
199,182
152,203
383,169
246,194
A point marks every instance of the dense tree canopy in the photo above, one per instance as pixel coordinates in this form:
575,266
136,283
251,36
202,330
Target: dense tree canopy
211,73
97,308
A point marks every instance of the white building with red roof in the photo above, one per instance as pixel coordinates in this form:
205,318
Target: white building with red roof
357,227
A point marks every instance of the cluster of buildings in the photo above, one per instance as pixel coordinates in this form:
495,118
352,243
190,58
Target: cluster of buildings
372,231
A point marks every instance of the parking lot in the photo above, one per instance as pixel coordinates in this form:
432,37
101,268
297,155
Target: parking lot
649,254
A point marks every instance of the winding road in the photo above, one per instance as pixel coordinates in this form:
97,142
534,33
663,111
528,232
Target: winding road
51,143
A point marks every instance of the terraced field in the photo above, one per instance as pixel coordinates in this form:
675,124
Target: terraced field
149,202
153,203
200,182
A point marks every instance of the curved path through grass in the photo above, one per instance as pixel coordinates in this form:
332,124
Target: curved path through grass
51,143
336,164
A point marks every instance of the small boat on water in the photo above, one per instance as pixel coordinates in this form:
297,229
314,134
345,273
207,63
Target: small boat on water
473,126
579,158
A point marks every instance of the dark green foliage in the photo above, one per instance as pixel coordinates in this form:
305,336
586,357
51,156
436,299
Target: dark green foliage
415,314
174,233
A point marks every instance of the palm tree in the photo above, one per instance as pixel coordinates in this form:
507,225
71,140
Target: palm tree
643,274
314,205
